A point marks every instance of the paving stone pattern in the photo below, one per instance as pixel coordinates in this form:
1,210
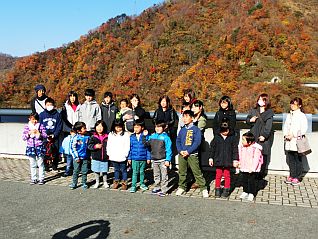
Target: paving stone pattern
276,192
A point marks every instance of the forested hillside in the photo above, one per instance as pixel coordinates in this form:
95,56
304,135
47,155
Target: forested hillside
215,47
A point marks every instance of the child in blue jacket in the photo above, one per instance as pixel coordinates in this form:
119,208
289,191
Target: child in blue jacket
161,154
79,154
65,150
139,156
188,144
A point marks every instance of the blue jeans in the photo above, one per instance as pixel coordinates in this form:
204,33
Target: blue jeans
120,167
81,166
69,163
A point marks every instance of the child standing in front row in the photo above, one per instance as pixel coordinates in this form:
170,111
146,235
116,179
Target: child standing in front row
118,146
188,144
161,154
139,156
34,134
79,154
65,150
223,155
97,145
250,162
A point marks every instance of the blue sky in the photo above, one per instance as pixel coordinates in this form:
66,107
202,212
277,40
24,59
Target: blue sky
28,26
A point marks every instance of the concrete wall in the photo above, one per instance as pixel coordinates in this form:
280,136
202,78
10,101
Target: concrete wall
12,145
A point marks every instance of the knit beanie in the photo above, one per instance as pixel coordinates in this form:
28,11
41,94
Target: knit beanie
39,87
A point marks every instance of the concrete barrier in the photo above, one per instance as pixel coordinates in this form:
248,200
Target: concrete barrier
12,145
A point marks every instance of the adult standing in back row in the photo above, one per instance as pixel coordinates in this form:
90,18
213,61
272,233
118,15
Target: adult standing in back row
38,101
260,118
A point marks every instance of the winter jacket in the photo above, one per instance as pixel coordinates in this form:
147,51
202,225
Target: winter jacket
98,154
160,146
262,127
79,146
201,124
66,146
219,116
129,123
90,113
52,122
35,145
69,116
168,116
118,146
223,151
295,124
250,158
137,113
138,151
189,139
38,104
109,112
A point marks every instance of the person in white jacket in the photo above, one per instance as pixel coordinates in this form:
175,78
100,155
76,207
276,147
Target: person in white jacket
295,126
118,147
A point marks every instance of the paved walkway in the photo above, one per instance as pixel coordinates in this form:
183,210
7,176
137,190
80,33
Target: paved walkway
276,192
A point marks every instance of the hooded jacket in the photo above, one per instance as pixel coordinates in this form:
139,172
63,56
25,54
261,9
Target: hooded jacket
160,146
223,151
250,158
35,146
118,146
52,122
98,154
90,113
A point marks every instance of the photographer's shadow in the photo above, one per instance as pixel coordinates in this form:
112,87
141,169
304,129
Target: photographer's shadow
98,228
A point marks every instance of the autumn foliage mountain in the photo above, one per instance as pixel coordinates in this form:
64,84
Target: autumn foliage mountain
216,47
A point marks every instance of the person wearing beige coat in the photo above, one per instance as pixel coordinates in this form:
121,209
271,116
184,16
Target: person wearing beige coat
295,126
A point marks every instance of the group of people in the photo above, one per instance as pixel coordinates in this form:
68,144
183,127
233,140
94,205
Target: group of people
96,135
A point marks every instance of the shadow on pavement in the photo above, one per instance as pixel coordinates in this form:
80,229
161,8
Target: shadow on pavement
97,229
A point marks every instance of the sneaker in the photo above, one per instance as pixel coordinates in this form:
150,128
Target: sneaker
33,182
225,193
155,190
106,185
161,194
179,191
295,182
143,187
133,189
41,182
84,186
244,195
115,185
250,197
205,193
72,186
289,180
218,192
96,185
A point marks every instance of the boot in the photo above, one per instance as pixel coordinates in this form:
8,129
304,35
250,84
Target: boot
115,184
225,193
124,185
218,192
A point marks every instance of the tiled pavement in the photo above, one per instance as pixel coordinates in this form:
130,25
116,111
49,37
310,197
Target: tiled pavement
276,192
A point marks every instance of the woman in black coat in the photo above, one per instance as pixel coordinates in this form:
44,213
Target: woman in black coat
260,119
165,113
